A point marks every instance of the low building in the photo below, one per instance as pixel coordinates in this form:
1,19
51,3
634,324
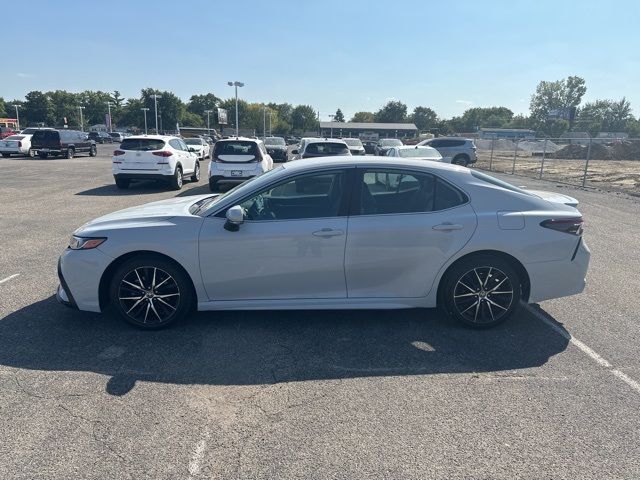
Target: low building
357,129
512,133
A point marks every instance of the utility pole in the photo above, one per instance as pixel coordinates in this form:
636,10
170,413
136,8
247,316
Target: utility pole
145,110
270,112
155,101
109,105
208,112
17,117
264,122
80,107
236,84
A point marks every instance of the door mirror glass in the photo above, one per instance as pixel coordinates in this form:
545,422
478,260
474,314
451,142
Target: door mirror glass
295,151
192,150
235,218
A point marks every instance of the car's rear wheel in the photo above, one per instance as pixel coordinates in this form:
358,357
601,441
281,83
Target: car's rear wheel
482,291
177,180
150,292
196,173
461,160
123,183
93,151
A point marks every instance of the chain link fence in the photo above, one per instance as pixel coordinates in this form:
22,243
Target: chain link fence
612,164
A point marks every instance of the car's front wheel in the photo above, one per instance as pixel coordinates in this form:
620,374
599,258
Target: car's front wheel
150,292
461,160
196,173
481,291
93,151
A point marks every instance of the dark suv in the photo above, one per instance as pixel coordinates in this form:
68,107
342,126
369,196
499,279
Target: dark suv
49,141
100,137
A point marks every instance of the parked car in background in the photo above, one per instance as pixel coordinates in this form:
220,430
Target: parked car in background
277,148
415,152
344,217
100,137
15,145
238,159
369,146
384,144
321,148
200,145
292,140
6,132
116,137
460,151
154,157
355,146
47,142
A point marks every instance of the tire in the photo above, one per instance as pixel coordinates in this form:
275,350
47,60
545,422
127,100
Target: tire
461,160
123,183
196,173
43,155
135,299
6,155
177,180
213,184
93,151
69,153
481,291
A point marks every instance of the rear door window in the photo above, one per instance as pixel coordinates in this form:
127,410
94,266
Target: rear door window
142,144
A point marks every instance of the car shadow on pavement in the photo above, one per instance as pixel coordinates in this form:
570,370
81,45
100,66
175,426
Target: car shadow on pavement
266,347
136,188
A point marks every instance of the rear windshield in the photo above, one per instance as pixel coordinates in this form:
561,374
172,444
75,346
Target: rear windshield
391,142
352,142
327,148
494,181
142,144
421,152
44,135
236,147
116,135
15,137
274,141
192,141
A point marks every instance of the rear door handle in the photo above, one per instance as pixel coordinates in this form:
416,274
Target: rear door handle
445,227
328,232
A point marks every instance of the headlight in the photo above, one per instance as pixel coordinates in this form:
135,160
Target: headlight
80,243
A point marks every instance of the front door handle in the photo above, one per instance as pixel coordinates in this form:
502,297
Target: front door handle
328,232
445,227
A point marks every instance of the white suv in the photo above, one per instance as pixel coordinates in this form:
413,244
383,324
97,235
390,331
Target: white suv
236,160
154,157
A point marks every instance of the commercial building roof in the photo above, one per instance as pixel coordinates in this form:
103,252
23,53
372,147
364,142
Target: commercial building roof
368,126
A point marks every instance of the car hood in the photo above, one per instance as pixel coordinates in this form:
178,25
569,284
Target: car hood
555,197
141,215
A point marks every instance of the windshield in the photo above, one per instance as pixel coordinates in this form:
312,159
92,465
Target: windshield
192,141
274,141
422,152
390,142
352,142
200,208
142,144
29,131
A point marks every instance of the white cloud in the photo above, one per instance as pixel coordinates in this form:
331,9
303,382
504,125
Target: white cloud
465,102
24,75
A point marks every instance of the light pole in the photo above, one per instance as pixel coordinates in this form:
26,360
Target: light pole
80,107
145,110
155,102
332,117
236,84
208,112
17,117
264,122
270,122
109,105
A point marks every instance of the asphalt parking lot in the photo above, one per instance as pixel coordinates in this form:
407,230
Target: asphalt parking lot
554,393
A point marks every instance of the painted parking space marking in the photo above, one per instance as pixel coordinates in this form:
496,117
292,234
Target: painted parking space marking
9,278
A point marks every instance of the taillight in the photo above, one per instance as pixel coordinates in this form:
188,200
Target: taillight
162,153
118,152
572,226
20,144
258,157
215,159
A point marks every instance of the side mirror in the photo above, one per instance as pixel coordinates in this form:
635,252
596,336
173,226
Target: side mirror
235,218
192,150
295,151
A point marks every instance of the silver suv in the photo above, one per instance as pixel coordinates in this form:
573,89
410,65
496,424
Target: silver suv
461,151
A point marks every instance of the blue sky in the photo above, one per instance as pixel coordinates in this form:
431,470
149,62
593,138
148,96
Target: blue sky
354,55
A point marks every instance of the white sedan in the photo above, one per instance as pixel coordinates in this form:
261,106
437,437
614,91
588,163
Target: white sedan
332,233
15,145
201,147
416,152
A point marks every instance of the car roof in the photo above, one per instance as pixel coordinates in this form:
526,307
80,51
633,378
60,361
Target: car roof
448,138
152,137
326,140
339,161
244,139
409,147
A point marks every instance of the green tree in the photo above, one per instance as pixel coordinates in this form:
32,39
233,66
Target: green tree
230,105
65,106
303,118
363,117
605,115
170,109
561,94
339,116
3,108
424,118
392,112
38,108
199,103
118,100
131,114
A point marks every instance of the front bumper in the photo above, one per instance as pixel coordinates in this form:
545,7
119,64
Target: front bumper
80,272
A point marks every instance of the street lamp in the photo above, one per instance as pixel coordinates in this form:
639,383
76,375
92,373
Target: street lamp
109,105
145,110
208,112
236,84
270,112
80,107
264,122
332,117
155,102
17,116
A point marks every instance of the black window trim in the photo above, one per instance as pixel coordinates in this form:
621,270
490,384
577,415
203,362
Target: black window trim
358,181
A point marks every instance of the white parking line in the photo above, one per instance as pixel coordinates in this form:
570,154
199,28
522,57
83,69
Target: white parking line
9,277
585,349
196,458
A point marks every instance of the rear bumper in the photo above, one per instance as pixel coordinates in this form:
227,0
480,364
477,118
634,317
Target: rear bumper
560,278
142,176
